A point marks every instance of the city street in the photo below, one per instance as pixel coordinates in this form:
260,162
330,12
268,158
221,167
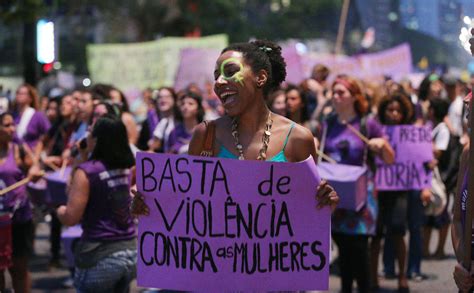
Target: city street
438,271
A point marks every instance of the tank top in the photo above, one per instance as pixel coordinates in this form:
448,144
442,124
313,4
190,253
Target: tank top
107,216
464,195
15,201
279,157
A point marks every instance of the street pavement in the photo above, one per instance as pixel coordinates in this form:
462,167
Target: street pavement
51,280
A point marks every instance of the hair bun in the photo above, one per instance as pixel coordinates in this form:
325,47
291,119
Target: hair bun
273,51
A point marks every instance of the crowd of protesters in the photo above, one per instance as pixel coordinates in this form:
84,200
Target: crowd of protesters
93,131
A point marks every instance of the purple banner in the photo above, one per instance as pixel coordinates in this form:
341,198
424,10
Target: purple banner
395,62
413,150
294,74
219,225
196,66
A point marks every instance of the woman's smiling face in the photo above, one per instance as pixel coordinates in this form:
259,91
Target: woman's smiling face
235,83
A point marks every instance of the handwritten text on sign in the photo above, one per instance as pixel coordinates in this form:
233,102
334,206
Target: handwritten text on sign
221,225
413,150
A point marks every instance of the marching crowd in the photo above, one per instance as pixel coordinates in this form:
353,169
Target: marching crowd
94,132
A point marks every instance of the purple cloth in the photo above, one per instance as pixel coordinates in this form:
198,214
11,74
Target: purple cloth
37,127
343,145
15,201
178,138
152,119
464,196
347,148
107,216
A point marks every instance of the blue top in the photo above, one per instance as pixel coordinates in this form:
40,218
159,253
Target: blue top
280,157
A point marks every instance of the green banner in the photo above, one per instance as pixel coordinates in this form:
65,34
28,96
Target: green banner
136,66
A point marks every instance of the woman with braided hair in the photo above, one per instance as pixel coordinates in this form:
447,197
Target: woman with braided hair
244,75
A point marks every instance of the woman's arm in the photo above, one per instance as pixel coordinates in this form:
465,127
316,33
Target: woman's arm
197,140
78,196
131,126
382,148
300,146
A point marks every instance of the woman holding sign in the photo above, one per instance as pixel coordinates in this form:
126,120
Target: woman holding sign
395,109
245,73
349,137
105,257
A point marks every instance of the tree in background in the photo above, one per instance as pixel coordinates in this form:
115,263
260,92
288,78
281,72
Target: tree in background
25,13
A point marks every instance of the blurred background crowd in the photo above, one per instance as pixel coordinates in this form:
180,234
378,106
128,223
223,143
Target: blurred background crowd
65,64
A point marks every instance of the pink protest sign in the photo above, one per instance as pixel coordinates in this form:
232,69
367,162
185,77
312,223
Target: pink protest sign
413,150
196,66
219,225
294,74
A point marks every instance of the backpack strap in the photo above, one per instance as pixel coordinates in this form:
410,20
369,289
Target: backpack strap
208,147
369,157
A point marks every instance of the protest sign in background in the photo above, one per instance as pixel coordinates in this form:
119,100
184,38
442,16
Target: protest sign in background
196,66
413,149
219,225
395,62
140,65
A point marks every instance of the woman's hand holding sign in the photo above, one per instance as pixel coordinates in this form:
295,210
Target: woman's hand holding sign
138,206
326,196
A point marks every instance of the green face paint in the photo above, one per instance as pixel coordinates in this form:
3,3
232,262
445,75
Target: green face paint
237,76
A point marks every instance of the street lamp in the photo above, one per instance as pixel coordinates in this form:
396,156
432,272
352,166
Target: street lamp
45,45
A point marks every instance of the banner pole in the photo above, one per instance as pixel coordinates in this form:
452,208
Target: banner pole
342,26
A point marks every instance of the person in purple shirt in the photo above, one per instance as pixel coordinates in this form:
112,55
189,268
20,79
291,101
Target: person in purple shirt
99,199
192,113
31,124
399,209
351,230
12,169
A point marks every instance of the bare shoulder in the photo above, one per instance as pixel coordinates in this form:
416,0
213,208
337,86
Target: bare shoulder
79,178
300,142
299,134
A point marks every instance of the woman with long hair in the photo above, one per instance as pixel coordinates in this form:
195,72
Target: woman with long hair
31,124
394,109
297,105
168,111
192,113
350,229
13,167
98,198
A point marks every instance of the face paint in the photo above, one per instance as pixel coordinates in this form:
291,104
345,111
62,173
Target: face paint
236,77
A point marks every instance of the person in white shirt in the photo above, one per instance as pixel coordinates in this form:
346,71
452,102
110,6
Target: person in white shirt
168,110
